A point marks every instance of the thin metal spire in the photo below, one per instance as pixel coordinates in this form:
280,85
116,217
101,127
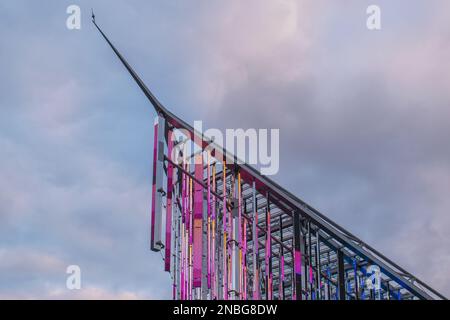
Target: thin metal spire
156,104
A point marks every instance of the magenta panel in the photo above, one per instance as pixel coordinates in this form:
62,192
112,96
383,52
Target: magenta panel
208,174
198,223
169,205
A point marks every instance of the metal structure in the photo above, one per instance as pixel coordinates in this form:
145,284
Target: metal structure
227,232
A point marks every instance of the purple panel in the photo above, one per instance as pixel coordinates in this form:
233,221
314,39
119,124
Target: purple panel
298,262
183,198
190,211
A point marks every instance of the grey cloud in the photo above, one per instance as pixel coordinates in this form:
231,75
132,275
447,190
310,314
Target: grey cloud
364,126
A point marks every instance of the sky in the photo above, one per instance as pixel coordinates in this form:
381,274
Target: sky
364,122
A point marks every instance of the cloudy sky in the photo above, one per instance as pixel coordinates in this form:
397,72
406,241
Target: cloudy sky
364,120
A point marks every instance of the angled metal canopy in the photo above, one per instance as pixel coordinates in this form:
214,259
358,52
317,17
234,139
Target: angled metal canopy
300,219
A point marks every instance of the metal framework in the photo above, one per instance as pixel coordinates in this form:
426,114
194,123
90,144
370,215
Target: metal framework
227,232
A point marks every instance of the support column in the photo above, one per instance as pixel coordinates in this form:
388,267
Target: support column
269,290
204,270
255,246
297,256
281,263
156,243
224,232
341,275
318,268
235,266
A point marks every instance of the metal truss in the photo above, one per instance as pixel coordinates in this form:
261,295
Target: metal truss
227,232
